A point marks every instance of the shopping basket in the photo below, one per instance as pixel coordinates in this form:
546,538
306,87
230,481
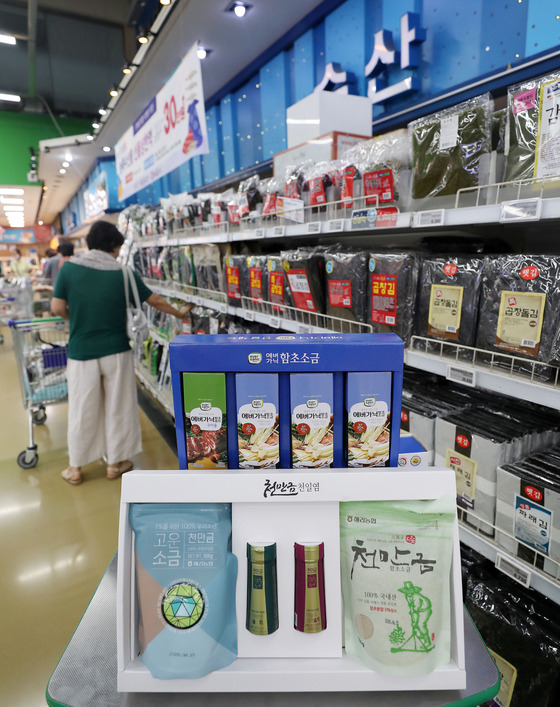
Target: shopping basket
41,348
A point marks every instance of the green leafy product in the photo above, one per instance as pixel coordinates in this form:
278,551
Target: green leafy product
447,148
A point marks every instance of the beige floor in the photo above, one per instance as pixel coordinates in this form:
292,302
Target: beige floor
55,540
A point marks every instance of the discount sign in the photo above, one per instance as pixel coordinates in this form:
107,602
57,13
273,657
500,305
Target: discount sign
170,130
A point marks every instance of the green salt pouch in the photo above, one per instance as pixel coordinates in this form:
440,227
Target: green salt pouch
185,584
396,568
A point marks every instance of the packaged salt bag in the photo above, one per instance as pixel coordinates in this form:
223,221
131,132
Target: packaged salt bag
185,584
396,569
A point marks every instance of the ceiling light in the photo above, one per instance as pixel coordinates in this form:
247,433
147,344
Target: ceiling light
66,164
89,136
11,97
3,200
126,69
8,191
62,170
40,223
114,92
13,208
239,9
7,39
68,157
102,111
202,53
95,125
106,148
165,2
143,37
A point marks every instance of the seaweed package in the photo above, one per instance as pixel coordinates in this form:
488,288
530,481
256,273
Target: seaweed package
448,299
385,158
234,270
277,290
345,284
303,273
529,126
520,311
208,267
391,293
256,277
447,148
187,619
321,180
396,567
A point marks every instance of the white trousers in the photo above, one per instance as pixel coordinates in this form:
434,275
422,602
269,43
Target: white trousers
102,410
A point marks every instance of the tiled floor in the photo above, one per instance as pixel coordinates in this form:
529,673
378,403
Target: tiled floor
55,540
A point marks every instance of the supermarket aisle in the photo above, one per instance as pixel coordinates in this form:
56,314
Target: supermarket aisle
55,540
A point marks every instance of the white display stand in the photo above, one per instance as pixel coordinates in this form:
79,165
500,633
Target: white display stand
307,503
324,111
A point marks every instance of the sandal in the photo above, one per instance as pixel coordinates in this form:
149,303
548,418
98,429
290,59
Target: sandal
72,477
116,470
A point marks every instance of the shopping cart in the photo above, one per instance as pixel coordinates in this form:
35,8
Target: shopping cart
41,347
16,301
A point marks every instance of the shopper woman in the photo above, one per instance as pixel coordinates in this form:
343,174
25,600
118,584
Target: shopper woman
102,402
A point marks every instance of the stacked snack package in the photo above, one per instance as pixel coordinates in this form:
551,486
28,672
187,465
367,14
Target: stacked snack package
257,275
520,307
294,180
530,153
234,273
208,267
278,290
448,299
391,293
321,183
249,198
269,188
346,284
304,278
386,158
449,148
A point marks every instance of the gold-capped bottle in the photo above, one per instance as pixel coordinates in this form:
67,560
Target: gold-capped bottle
309,603
262,589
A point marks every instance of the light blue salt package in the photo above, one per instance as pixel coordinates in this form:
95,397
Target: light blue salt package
185,583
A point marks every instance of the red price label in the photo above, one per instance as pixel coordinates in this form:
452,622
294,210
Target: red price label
195,429
303,429
463,441
359,427
248,428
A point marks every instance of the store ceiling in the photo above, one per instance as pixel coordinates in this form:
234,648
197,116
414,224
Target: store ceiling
235,43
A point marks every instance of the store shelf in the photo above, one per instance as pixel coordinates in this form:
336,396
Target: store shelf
298,322
151,386
547,585
488,370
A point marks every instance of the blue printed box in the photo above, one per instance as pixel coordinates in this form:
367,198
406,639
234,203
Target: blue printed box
368,404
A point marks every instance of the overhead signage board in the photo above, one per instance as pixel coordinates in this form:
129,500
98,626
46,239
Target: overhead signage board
170,130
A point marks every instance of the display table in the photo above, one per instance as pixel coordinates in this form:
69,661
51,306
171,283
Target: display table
86,675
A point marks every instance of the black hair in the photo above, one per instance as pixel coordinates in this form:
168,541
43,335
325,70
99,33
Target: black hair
66,249
104,236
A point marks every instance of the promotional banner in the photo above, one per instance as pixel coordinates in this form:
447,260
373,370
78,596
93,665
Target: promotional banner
170,130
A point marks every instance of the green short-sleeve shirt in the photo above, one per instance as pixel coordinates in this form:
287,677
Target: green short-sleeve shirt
96,306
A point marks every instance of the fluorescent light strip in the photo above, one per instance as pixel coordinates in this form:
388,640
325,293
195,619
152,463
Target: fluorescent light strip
7,39
8,191
11,97
5,200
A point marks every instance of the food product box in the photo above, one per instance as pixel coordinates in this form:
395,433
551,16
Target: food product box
311,405
204,400
368,406
258,436
528,508
412,454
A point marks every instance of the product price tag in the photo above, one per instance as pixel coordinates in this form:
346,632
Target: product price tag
249,315
336,225
521,210
196,300
259,233
458,374
278,231
512,569
274,322
303,329
424,219
313,227
221,307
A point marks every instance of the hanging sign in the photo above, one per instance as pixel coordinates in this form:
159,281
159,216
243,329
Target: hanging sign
170,130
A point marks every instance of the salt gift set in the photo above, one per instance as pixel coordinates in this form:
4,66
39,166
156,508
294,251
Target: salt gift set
297,360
